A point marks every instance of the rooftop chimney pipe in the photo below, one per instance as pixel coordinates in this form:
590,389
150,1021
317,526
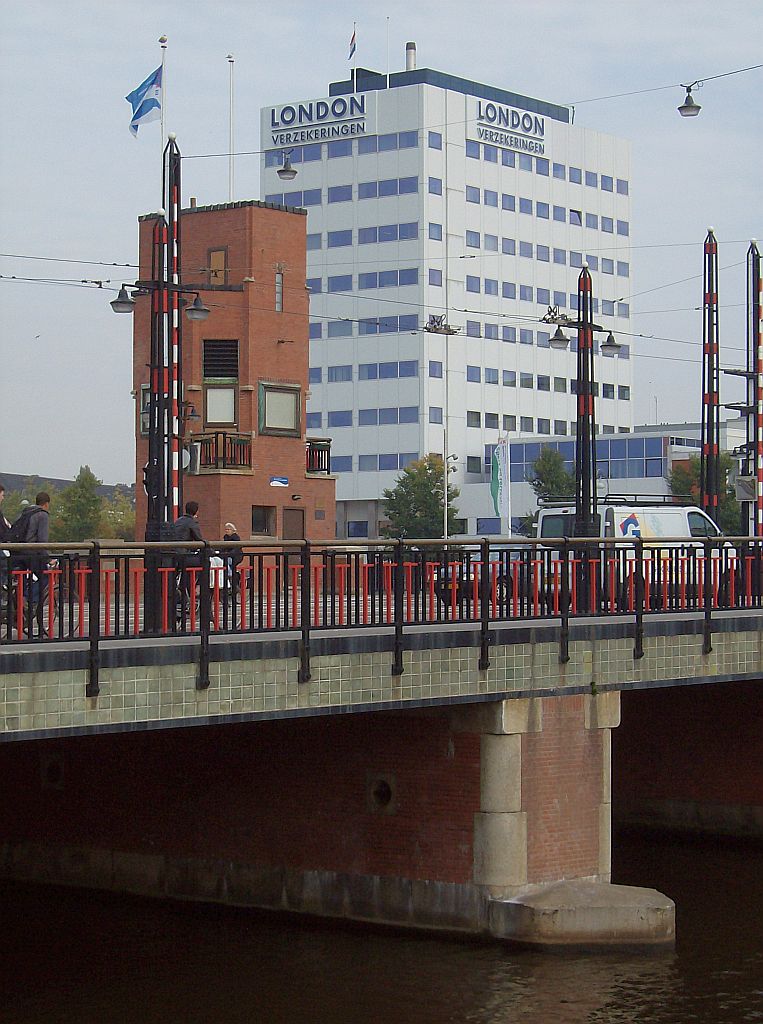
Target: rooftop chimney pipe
410,56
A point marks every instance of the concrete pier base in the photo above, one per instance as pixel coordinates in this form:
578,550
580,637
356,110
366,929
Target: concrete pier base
579,913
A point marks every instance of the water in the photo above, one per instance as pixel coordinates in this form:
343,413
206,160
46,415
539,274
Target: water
72,956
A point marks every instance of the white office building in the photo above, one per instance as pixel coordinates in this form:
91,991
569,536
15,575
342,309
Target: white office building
429,195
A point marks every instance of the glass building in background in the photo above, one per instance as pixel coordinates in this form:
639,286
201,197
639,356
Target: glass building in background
429,195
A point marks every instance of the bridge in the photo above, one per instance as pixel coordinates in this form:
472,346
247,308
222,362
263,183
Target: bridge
408,733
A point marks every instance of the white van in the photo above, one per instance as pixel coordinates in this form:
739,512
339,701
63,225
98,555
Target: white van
630,520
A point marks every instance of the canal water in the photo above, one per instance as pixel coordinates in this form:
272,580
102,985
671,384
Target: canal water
75,956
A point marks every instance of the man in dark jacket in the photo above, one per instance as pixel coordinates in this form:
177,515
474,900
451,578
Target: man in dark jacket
36,531
187,528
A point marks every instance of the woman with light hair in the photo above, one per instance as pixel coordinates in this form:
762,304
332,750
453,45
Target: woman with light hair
233,556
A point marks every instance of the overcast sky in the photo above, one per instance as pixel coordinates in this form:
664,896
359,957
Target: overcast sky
73,180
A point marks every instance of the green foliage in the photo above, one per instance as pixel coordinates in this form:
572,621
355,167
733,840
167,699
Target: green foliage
549,478
16,501
78,512
117,519
414,506
684,481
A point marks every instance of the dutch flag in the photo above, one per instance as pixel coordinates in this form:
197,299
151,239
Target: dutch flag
351,54
146,101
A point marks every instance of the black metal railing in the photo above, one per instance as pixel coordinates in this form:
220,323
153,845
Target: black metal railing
223,450
318,455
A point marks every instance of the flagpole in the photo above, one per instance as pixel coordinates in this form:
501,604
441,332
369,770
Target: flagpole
163,44
354,59
388,51
231,62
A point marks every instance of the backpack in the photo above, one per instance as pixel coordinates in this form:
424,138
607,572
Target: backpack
19,531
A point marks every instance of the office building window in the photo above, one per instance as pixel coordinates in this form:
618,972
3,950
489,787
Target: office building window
491,242
435,140
435,186
509,378
340,329
435,368
526,250
491,375
509,422
607,224
491,332
491,286
560,385
526,381
314,421
339,147
543,296
525,205
507,158
315,330
560,214
508,246
541,166
592,221
525,162
542,210
473,374
560,299
473,464
508,202
490,154
622,187
544,382
313,242
340,194
509,334
336,239
473,328
560,257
607,266
542,253
592,179
491,421
576,175
526,292
607,390
623,269
490,198
623,228
279,409
472,149
340,283
544,425
314,285
368,418
526,424
576,218
435,232
435,277
341,463
435,414
576,259
472,283
473,418
473,239
560,426
624,393
340,418
339,374
472,194
508,290
559,172
264,520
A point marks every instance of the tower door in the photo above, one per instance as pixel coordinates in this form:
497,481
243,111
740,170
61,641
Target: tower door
293,524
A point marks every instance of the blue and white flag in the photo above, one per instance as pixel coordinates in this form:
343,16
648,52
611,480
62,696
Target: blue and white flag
351,54
146,101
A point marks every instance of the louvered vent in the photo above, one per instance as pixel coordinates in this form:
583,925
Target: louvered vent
221,360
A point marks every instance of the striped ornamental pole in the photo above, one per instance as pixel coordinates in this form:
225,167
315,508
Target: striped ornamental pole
173,492
710,482
585,442
755,380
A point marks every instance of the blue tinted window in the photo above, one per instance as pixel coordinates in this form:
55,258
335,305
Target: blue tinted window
623,309
368,327
509,291
357,528
623,269
541,210
560,299
435,277
472,149
508,246
607,266
409,414
472,283
408,231
339,238
313,242
491,286
542,253
368,418
311,152
315,330
340,283
576,175
406,186
409,322
435,232
388,232
509,334
491,375
491,332
408,368
292,198
313,284
560,214
525,205
315,375
576,259
314,421
509,378
341,463
387,417
274,158
274,197
339,374
622,187
508,202
388,278
592,179
368,371
370,279
473,374
526,292
525,338
576,218
473,327
388,461
507,158
541,166
387,143
490,153
490,198
367,144
368,190
366,235
435,414
340,418
435,368
387,371
525,162
591,221
340,193
435,186
559,171
593,262
607,225
340,147
407,140
409,276
473,239
526,249
623,228
560,257
388,187
340,329
435,140
606,183
543,296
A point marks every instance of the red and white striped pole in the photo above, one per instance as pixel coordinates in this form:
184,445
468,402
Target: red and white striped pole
710,483
755,382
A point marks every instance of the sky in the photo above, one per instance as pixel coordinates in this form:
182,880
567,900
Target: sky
73,180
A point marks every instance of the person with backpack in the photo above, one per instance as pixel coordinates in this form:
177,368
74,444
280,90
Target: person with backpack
33,527
185,528
5,535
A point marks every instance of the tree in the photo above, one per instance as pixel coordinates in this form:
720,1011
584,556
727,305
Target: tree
414,506
549,478
117,517
684,482
79,509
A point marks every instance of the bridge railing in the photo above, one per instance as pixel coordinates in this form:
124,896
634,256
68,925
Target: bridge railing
76,592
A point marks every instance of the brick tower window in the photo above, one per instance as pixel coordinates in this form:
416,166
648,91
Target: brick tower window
218,266
220,374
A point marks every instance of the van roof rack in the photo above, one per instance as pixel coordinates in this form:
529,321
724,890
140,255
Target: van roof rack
622,499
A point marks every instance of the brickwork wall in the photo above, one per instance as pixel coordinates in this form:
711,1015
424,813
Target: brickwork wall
562,772
699,744
292,794
273,347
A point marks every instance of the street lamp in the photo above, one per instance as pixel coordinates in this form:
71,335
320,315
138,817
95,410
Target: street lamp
438,324
585,438
690,107
287,172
